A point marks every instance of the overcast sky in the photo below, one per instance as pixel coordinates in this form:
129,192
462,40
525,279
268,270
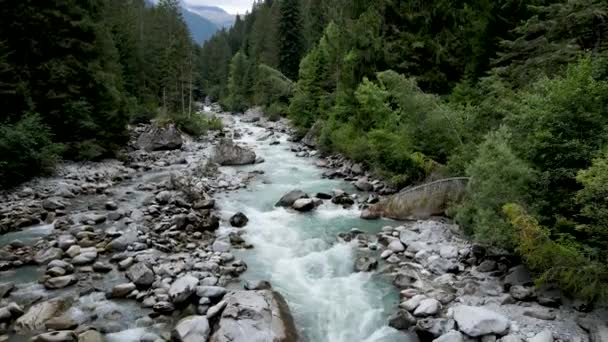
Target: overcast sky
230,6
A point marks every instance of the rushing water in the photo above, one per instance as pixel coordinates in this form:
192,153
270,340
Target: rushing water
300,255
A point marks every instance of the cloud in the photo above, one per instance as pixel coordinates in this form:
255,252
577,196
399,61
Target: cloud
230,6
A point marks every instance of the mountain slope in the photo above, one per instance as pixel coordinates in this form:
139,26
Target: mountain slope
200,27
214,14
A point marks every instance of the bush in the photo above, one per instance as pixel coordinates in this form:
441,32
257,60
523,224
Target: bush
498,177
26,150
562,263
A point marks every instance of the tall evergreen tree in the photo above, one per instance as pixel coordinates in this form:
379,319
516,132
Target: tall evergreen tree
291,40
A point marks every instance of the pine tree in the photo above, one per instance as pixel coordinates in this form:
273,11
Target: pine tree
291,42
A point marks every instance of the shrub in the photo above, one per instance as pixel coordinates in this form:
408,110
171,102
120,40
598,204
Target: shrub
26,150
562,263
498,177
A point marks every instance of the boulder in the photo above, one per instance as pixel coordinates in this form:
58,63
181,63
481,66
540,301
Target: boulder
239,220
122,290
255,316
427,307
396,246
289,198
210,291
160,138
542,314
39,314
304,204
365,264
522,293
310,139
56,336
598,332
183,288
52,204
47,255
228,153
423,201
60,282
452,336
141,275
477,321
91,336
364,185
368,214
518,275
401,320
543,336
61,323
192,329
6,288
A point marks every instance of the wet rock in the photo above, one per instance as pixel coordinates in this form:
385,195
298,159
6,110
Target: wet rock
46,255
258,285
323,196
538,313
160,138
60,282
61,323
427,307
6,288
141,275
343,200
209,223
228,153
65,241
365,264
52,204
192,329
478,321
518,275
448,252
405,279
401,320
522,293
221,246
364,185
122,290
598,332
126,263
452,336
289,198
487,266
210,291
183,288
413,303
91,336
216,309
543,336
431,328
511,338
163,197
102,267
239,220
396,246
56,336
39,314
163,307
368,214
304,204
205,204
86,256
255,316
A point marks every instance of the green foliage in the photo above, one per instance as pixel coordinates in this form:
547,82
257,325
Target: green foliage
26,150
291,41
498,177
238,87
562,263
594,207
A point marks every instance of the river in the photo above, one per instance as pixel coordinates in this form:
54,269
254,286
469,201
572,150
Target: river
300,253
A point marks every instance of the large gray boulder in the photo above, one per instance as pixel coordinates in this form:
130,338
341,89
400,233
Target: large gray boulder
310,139
255,316
141,275
229,153
183,288
192,329
38,314
422,201
477,321
290,198
160,138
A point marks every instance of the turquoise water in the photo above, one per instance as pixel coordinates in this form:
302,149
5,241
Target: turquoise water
301,256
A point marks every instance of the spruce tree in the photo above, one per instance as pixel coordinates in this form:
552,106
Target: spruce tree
291,41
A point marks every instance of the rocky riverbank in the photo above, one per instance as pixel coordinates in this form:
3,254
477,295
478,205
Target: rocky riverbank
451,289
129,251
